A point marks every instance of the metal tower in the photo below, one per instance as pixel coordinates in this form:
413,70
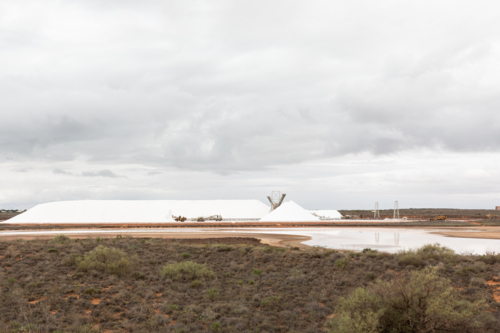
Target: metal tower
396,210
276,199
376,212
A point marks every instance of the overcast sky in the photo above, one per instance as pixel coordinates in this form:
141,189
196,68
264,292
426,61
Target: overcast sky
337,103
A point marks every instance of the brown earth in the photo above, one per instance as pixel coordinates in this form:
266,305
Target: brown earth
473,232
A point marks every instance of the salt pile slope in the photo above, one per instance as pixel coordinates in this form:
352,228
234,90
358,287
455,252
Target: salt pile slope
138,211
291,212
327,214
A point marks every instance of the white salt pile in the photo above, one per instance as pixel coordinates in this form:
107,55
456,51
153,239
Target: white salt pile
137,211
291,212
327,214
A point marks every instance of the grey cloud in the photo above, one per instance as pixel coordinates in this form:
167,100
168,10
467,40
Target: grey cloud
102,173
58,171
230,87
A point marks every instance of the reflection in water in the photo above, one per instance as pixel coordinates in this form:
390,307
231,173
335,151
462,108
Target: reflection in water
377,237
396,239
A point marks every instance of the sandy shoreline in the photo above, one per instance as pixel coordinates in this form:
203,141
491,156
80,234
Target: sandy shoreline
472,232
271,239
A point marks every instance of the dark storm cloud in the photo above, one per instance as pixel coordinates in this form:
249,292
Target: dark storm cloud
229,87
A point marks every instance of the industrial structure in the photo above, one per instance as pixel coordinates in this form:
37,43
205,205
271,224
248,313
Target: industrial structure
276,199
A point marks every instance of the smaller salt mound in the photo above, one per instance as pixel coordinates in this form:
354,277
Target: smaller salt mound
289,211
327,214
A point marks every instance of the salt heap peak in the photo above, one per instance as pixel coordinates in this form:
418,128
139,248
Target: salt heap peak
291,212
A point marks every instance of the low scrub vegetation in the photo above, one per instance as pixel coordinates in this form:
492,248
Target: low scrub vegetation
107,260
187,270
133,285
419,301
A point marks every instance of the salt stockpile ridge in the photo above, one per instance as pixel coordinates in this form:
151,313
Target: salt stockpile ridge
327,214
137,211
289,211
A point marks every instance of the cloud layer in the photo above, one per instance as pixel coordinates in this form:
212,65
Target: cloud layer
231,89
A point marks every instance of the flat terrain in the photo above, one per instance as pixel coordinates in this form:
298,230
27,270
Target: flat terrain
49,285
428,213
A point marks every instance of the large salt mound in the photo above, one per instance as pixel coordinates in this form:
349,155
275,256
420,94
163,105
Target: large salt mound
327,214
138,211
289,211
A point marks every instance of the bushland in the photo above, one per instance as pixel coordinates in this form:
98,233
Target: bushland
147,285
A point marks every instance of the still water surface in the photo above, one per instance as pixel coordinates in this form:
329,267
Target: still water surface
383,239
388,240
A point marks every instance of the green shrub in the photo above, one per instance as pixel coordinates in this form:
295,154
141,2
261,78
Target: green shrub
251,281
139,276
256,272
185,255
429,252
53,250
411,259
327,253
73,259
269,249
490,258
34,285
466,270
60,239
223,248
196,284
437,252
216,327
173,307
477,282
354,254
271,300
370,253
11,280
107,260
420,301
241,282
341,263
92,291
212,293
371,275
187,270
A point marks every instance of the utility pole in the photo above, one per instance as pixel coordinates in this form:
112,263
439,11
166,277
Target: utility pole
376,212
396,210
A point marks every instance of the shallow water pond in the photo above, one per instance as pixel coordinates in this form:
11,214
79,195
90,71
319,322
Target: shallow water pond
383,239
388,240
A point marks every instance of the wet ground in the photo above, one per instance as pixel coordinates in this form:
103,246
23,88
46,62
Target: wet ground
383,239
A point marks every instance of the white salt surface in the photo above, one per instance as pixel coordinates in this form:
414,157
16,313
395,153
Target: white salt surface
327,214
138,211
291,212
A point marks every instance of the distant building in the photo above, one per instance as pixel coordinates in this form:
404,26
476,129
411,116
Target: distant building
497,208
